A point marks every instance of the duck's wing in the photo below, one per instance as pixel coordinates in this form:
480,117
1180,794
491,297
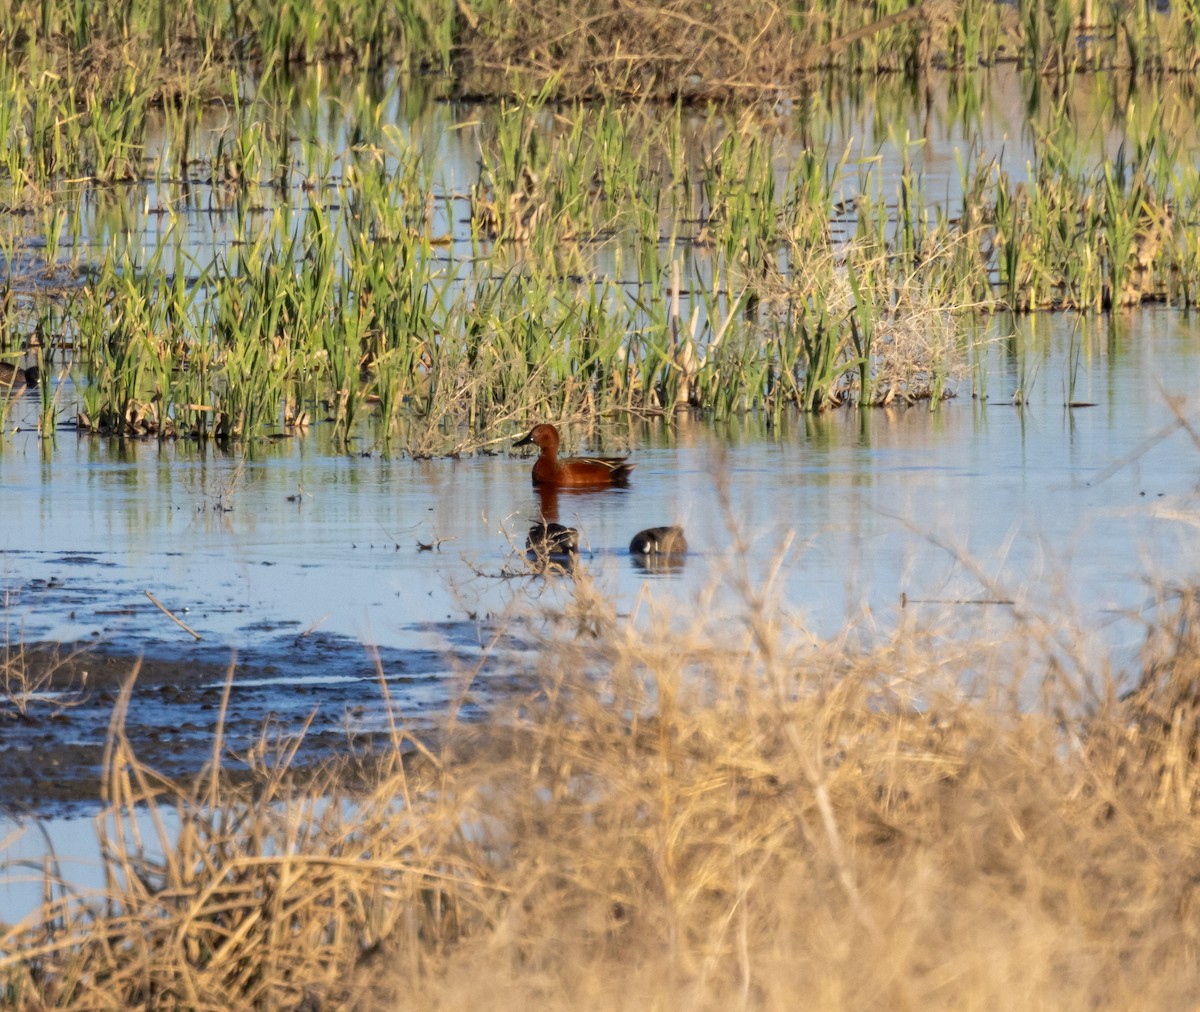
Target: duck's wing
618,465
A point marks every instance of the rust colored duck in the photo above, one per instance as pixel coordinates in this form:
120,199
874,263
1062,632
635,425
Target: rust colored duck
572,472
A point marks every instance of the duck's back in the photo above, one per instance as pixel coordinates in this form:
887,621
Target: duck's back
582,471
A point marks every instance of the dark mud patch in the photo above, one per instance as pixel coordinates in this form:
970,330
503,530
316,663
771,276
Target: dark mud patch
337,696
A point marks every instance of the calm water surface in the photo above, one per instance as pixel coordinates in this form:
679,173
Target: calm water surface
1085,506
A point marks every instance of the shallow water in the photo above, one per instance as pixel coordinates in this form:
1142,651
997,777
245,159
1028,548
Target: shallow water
327,572
253,549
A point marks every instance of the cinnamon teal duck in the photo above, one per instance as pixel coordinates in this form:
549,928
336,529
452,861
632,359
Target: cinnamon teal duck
572,472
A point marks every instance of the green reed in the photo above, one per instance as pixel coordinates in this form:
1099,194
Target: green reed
862,332
614,261
975,36
816,359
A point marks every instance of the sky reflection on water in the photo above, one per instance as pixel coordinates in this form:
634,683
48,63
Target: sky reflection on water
1086,505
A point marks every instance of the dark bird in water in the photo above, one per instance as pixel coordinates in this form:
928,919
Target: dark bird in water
13,376
552,539
572,472
659,541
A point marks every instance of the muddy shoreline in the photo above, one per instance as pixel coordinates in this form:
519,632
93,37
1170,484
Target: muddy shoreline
52,738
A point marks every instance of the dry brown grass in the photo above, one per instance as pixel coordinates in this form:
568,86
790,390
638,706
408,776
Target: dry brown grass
691,49
679,819
30,678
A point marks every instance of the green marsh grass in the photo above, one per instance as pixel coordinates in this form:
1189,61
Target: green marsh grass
608,258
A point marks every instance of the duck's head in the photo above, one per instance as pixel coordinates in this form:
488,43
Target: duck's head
544,436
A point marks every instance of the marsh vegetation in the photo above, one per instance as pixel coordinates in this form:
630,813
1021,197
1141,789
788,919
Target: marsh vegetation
705,815
607,255
226,223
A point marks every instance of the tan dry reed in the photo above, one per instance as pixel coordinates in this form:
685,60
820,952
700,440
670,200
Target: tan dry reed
670,820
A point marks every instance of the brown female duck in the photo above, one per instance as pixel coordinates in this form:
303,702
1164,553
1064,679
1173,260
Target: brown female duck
14,376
